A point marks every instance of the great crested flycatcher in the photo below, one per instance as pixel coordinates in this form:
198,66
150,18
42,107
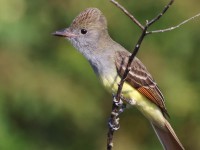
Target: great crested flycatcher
88,33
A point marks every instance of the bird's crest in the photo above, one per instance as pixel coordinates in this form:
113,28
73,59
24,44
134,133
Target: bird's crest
90,17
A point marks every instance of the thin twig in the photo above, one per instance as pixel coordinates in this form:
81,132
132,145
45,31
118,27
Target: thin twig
161,14
174,27
144,33
112,121
115,109
128,67
128,14
135,51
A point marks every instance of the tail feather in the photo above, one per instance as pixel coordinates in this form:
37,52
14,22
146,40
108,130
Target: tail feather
167,137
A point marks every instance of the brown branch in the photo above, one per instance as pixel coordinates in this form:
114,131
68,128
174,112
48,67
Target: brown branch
114,117
114,120
137,46
128,14
162,13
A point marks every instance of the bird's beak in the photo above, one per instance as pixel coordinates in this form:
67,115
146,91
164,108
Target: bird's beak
64,33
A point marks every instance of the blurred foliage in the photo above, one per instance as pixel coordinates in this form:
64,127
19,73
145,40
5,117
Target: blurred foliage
50,98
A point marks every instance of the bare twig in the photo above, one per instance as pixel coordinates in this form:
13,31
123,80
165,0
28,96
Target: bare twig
137,46
115,108
114,119
162,13
128,67
128,14
174,27
144,33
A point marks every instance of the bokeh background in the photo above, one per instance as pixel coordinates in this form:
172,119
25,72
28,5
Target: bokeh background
50,98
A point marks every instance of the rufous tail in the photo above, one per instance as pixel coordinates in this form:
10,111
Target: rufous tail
167,137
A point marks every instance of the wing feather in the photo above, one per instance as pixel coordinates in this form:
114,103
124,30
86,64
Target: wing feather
140,79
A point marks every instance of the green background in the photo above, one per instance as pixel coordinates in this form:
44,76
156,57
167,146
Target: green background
50,98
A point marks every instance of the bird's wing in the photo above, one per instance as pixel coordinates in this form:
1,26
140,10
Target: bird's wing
140,79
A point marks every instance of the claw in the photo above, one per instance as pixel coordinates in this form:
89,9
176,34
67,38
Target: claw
122,108
117,103
114,113
119,108
114,126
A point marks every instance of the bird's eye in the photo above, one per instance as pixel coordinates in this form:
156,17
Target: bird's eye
83,31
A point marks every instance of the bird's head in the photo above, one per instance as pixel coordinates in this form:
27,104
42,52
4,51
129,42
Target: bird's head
86,29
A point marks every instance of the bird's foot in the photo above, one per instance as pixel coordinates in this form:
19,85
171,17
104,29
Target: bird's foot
114,125
120,105
118,108
116,102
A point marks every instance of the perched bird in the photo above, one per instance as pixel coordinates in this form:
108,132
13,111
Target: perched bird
89,35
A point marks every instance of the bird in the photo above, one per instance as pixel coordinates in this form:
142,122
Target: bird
88,33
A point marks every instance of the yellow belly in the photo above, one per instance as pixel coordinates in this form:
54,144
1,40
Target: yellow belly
149,109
